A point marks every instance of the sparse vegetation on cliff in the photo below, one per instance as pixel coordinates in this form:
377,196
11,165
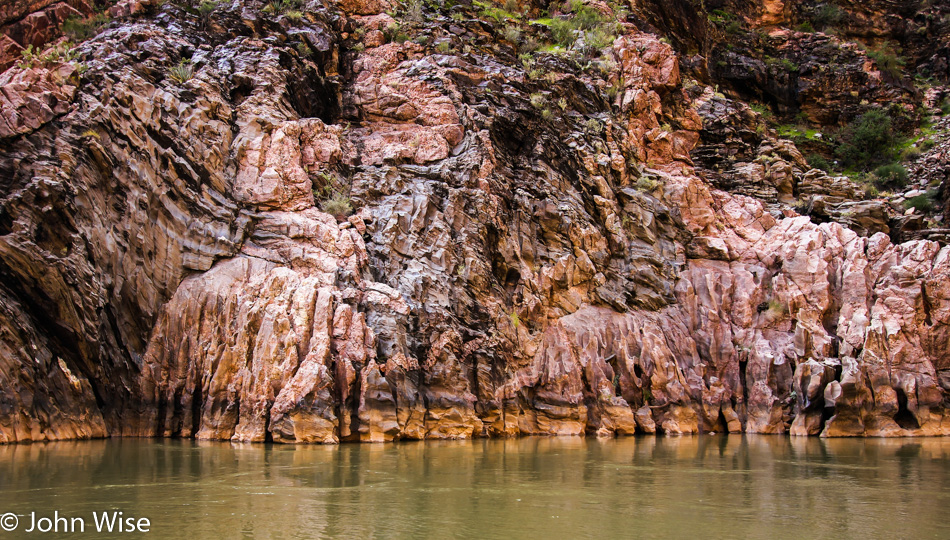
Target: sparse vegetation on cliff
869,141
80,28
182,72
887,59
890,177
58,54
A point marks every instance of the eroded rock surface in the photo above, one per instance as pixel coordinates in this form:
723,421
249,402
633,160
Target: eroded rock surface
527,256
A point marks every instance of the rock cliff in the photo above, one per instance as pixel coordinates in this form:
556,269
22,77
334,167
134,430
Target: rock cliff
370,220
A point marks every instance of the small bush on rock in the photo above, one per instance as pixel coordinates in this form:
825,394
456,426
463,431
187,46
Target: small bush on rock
80,29
887,61
338,205
817,161
893,176
182,73
59,54
868,141
587,22
205,9
923,203
826,16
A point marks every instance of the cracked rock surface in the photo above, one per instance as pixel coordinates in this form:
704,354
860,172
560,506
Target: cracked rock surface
167,267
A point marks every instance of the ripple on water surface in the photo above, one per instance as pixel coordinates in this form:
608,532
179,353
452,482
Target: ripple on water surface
643,487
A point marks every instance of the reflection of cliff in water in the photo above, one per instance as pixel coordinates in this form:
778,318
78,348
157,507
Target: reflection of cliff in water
751,486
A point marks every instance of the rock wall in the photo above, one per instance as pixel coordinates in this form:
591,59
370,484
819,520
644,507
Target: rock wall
528,255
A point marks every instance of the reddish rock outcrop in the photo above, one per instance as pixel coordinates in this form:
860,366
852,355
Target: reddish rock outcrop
32,97
34,23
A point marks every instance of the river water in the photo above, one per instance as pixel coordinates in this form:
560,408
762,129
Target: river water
544,488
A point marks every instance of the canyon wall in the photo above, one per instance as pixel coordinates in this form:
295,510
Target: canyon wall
537,245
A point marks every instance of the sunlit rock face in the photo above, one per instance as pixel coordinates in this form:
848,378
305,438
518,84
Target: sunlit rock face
524,253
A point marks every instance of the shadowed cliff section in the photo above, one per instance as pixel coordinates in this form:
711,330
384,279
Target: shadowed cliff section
311,225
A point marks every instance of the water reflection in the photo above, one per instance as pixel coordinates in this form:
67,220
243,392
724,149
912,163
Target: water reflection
749,487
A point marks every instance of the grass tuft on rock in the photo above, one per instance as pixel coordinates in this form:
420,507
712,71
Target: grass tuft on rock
182,73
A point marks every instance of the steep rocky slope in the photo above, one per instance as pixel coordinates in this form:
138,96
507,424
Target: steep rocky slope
362,221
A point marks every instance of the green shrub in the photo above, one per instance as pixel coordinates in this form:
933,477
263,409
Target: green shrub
887,61
529,45
412,10
781,64
720,17
28,58
892,176
338,204
80,29
182,73
277,7
923,203
332,194
499,15
733,27
646,183
826,15
911,154
806,27
868,141
562,32
585,20
58,54
927,144
614,90
817,161
394,33
761,109
585,17
599,38
205,9
512,34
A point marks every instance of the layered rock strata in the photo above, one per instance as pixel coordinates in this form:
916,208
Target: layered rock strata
526,257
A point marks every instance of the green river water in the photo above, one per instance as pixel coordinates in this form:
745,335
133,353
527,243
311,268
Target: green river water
545,488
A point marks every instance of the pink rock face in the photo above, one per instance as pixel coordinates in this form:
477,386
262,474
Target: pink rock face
15,10
32,97
126,8
409,119
364,7
828,296
10,52
276,165
33,23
